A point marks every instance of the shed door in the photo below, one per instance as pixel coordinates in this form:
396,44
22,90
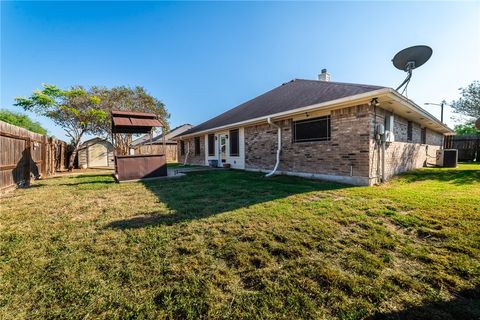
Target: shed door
98,155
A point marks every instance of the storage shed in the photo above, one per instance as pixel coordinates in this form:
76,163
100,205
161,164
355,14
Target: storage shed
96,153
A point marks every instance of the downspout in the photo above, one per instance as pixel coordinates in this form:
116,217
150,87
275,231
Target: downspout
383,161
380,143
186,155
279,146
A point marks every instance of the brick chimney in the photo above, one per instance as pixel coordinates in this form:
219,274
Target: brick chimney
324,76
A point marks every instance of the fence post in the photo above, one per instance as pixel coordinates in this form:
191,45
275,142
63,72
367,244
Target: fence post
478,146
27,162
62,158
44,157
53,169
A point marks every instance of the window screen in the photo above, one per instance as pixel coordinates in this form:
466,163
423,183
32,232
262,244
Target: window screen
182,148
409,131
211,144
197,146
317,129
234,143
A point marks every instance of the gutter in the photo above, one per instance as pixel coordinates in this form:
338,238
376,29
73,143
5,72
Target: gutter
279,146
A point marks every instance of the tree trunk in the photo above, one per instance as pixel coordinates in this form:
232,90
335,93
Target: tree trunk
122,143
74,152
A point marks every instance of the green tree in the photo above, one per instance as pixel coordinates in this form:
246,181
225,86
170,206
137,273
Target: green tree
466,129
469,102
468,106
21,120
128,99
75,110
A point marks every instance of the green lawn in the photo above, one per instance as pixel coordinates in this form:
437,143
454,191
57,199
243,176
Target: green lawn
236,245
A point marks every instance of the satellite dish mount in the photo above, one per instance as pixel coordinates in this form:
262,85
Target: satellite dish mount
409,59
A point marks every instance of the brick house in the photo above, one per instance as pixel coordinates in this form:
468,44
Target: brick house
349,133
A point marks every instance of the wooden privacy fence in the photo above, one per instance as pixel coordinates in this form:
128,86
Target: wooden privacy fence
25,154
468,146
170,152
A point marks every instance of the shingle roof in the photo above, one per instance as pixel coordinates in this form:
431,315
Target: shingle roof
289,96
145,139
173,133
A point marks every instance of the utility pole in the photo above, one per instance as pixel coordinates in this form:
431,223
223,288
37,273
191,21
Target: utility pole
442,105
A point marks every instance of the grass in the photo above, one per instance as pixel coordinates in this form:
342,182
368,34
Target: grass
234,245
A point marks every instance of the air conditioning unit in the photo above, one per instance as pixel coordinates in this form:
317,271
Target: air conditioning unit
447,158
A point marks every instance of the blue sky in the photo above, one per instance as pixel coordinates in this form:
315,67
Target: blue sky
201,59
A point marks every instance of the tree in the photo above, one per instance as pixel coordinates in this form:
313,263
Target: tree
75,110
468,106
128,99
465,129
469,103
21,120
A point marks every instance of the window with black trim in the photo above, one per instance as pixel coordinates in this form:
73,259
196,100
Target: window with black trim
182,148
197,146
315,129
234,143
211,144
409,131
424,136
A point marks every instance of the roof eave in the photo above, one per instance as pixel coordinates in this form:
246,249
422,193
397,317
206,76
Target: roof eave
416,108
358,98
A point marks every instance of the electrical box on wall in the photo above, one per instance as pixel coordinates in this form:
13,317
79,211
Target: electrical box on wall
389,124
380,129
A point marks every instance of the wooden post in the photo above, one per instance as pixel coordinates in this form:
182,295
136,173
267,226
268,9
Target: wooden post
27,155
50,156
164,143
44,157
478,146
62,158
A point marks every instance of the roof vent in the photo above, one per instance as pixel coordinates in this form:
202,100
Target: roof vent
324,76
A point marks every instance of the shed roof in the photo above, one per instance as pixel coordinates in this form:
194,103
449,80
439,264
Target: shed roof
133,122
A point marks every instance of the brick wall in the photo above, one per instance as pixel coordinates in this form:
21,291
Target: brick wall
192,158
402,156
344,155
434,138
352,155
400,130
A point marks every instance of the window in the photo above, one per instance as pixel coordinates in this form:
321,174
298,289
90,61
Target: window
317,129
197,146
234,143
424,136
182,148
211,144
409,131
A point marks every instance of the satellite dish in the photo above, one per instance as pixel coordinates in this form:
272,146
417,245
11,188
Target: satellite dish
477,124
409,59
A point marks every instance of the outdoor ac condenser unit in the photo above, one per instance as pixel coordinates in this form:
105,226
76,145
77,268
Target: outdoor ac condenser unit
447,158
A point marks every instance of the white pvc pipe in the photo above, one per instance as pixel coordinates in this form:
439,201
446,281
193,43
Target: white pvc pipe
186,155
279,146
383,161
